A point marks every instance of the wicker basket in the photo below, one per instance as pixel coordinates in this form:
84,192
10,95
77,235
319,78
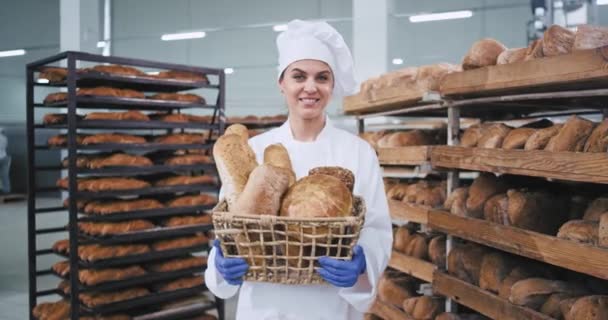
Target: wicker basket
283,249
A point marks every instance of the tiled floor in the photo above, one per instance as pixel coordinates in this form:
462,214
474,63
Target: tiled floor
13,258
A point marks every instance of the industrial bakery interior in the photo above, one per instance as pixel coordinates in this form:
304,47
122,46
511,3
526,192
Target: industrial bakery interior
121,121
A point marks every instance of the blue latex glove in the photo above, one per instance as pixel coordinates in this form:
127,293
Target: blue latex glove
343,273
231,269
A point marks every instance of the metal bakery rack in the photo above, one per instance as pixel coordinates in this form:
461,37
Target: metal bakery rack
147,306
573,84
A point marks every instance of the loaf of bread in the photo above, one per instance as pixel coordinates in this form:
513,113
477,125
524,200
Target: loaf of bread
495,267
404,139
493,135
276,155
423,308
598,140
580,231
551,307
536,210
317,196
603,230
401,238
483,53
372,137
345,175
416,246
572,136
464,262
539,139
234,160
523,270
512,56
471,136
133,115
456,201
516,138
437,251
429,77
534,292
595,209
590,37
263,192
535,50
483,187
557,40
589,308
397,191
394,291
496,209
116,69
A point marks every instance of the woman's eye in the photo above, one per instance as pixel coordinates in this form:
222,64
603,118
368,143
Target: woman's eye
323,78
298,77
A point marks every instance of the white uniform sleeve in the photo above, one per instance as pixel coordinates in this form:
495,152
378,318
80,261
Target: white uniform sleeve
214,280
376,237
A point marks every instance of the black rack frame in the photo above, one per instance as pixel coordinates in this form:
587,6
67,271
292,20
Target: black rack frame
90,79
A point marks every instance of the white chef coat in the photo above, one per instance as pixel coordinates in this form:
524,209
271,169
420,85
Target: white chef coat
333,147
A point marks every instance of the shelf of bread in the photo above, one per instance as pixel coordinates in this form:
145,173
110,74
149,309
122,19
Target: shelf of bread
412,266
480,300
573,166
404,211
387,311
561,60
584,258
400,89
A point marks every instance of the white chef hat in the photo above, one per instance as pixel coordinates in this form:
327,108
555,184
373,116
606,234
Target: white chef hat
318,41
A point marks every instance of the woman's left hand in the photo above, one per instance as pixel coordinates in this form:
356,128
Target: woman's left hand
342,273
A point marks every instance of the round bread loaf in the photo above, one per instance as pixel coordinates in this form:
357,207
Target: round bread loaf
317,196
345,175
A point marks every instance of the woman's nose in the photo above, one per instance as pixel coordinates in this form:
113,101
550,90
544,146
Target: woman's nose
310,86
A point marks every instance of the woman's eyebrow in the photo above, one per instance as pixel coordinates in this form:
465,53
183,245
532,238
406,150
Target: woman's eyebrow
297,70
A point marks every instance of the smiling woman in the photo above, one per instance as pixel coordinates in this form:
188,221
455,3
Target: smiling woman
315,65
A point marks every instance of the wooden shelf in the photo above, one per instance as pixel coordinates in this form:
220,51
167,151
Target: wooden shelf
580,70
400,96
408,212
405,156
415,267
568,254
388,312
573,166
482,301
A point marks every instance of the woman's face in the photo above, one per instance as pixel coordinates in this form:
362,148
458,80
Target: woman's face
307,86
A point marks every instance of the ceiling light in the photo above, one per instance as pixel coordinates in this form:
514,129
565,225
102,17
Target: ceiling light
228,71
42,80
279,27
12,53
441,16
101,44
183,35
397,61
602,2
153,73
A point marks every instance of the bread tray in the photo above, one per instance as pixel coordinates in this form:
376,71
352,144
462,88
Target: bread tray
106,102
147,300
145,235
149,277
131,125
138,258
150,213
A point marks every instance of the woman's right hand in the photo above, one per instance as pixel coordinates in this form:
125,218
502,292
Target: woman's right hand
231,269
